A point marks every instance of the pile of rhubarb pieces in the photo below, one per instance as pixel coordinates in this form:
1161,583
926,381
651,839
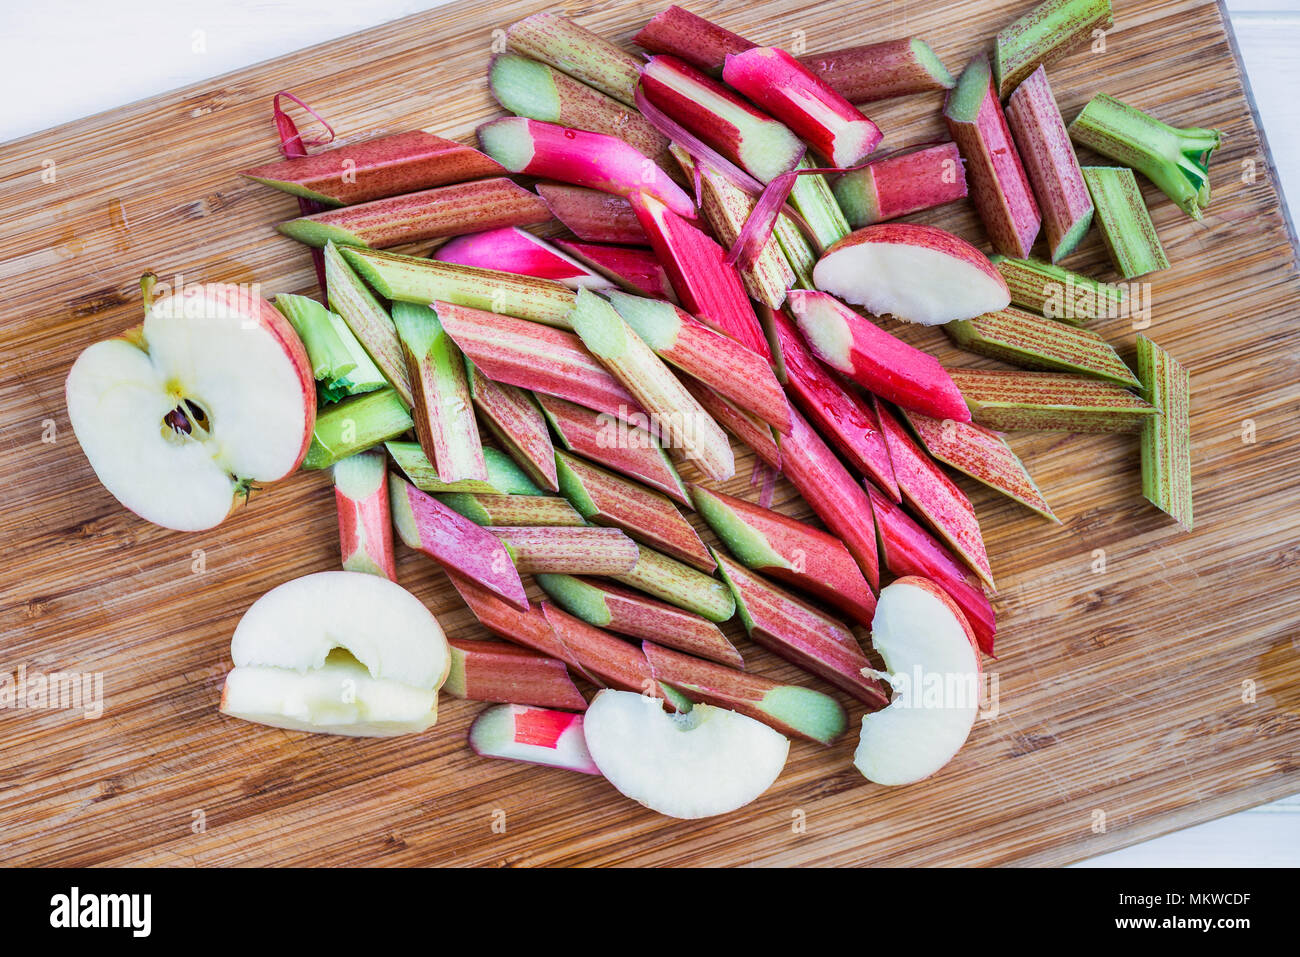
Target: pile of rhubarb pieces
515,406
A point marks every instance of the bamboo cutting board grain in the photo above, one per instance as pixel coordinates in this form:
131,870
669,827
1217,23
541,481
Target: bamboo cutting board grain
1147,679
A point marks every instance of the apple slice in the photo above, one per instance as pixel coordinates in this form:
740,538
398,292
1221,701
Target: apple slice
184,414
931,653
340,653
913,272
705,762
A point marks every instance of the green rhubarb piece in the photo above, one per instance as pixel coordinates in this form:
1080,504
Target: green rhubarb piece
743,540
1176,160
1011,401
1044,35
578,598
504,476
1167,437
1033,342
368,320
679,584
575,50
1058,293
512,511
813,199
330,359
355,425
1125,223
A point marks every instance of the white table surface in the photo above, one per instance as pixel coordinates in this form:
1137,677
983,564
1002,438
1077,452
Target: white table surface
112,53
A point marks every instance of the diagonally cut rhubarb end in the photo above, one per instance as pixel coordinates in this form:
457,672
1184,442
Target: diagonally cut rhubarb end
929,61
309,232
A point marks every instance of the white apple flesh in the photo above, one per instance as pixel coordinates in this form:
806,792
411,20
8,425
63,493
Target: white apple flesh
925,642
340,653
706,762
213,393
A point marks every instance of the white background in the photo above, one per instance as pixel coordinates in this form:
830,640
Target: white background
67,59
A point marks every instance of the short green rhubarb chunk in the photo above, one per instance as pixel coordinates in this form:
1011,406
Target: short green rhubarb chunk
1058,293
356,425
1126,225
1044,35
1167,437
504,476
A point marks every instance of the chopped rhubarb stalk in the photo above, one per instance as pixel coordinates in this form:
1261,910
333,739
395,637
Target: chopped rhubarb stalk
879,71
517,732
575,50
743,424
568,550
615,662
368,320
516,250
630,268
785,88
1126,226
1049,402
365,526
1058,293
1044,35
592,215
512,416
499,671
1167,437
528,628
376,168
489,508
690,37
331,361
998,184
504,477
855,346
902,183
676,582
593,160
355,425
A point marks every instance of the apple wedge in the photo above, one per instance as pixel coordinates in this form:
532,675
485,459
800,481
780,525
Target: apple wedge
518,732
706,762
339,653
932,657
183,415
912,272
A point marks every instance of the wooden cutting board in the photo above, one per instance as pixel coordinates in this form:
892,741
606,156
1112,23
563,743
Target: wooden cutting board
1147,678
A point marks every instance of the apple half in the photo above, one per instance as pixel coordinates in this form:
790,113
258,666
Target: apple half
185,413
696,764
912,272
338,653
932,656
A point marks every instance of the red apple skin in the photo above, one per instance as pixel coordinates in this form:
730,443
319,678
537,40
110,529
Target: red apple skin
919,234
938,592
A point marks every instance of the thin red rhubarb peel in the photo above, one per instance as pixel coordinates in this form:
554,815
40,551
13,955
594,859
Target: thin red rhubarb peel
791,709
908,549
1053,169
568,550
517,732
706,286
293,146
902,183
592,215
836,498
575,50
719,361
631,268
840,414
636,615
368,319
593,160
532,356
512,416
428,214
879,71
1049,402
649,517
934,496
744,425
365,525
676,582
855,346
615,444
511,249
453,541
982,454
375,169
801,634
789,91
789,551
487,508
499,671
998,183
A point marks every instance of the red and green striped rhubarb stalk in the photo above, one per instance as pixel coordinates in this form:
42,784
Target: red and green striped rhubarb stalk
1033,342
838,413
1058,293
536,91
426,281
1050,163
998,183
453,541
791,709
369,321
376,168
612,661
1044,35
504,477
633,269
798,632
982,454
908,549
443,410
743,424
789,551
690,37
499,671
718,361
900,184
1049,402
616,444
676,582
488,508
638,616
592,160
365,526
512,416
355,425
1126,225
511,249
583,55
533,356
568,549
1176,160
834,496
649,517
528,627
1167,437
592,215
879,71
517,732
870,356
789,91
428,214
935,498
